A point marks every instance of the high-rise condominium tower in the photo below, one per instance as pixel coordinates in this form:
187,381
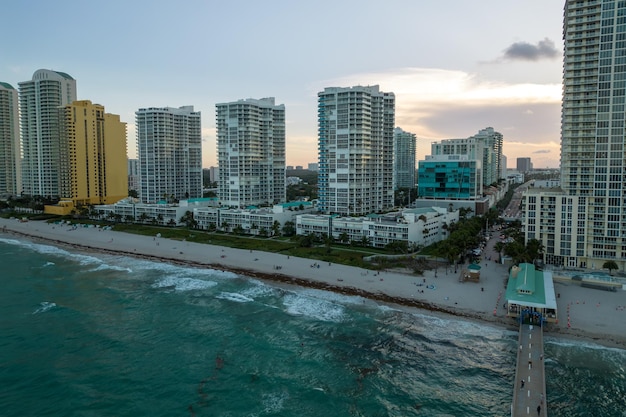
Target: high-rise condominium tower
404,159
583,224
40,100
251,152
10,158
169,144
355,150
485,146
524,164
93,155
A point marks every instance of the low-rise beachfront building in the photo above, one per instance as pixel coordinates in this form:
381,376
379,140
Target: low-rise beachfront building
131,210
530,295
417,227
253,221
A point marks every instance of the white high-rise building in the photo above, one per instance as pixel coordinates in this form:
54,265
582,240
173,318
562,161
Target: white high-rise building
583,224
169,146
10,158
404,159
40,100
251,152
355,150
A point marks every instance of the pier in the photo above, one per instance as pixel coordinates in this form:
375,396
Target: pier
529,390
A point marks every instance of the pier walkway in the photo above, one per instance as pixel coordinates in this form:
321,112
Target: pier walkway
530,383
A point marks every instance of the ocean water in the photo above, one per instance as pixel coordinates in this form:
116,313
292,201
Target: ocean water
100,335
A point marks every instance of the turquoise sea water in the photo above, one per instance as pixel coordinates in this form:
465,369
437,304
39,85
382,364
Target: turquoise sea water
101,335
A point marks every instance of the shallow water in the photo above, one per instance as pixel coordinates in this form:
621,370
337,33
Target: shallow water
94,335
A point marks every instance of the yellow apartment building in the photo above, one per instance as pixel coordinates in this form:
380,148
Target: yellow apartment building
93,157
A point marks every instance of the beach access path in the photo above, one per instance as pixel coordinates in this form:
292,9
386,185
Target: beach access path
593,314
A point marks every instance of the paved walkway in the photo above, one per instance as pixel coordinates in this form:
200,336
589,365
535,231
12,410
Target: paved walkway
530,383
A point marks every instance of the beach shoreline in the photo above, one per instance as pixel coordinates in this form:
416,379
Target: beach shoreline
599,318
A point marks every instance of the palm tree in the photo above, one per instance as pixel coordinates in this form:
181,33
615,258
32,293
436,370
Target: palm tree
225,226
610,265
275,228
289,229
143,217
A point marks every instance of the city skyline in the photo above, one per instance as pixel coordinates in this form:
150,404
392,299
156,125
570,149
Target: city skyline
452,71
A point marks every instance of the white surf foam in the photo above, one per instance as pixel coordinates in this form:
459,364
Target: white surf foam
44,306
259,289
183,283
233,296
302,305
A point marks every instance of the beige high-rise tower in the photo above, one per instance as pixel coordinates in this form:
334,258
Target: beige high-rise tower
10,158
93,158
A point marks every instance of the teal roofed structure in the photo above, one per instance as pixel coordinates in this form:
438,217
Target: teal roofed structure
7,85
530,292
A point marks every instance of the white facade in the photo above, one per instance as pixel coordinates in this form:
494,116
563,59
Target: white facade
10,158
266,221
417,227
169,145
355,150
404,159
132,210
251,152
40,100
592,144
485,146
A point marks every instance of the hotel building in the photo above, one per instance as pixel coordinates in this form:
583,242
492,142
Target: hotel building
169,145
355,150
10,158
251,152
40,100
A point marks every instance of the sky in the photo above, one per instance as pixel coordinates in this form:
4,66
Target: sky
455,66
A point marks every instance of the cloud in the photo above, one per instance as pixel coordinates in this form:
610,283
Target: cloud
543,151
524,51
440,104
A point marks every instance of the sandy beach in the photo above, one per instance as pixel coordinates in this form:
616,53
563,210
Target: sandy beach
590,314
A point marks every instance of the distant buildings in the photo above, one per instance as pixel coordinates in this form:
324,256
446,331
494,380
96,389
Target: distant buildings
40,99
583,223
169,145
463,173
10,158
524,165
485,146
251,152
355,150
92,155
404,159
313,166
134,178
